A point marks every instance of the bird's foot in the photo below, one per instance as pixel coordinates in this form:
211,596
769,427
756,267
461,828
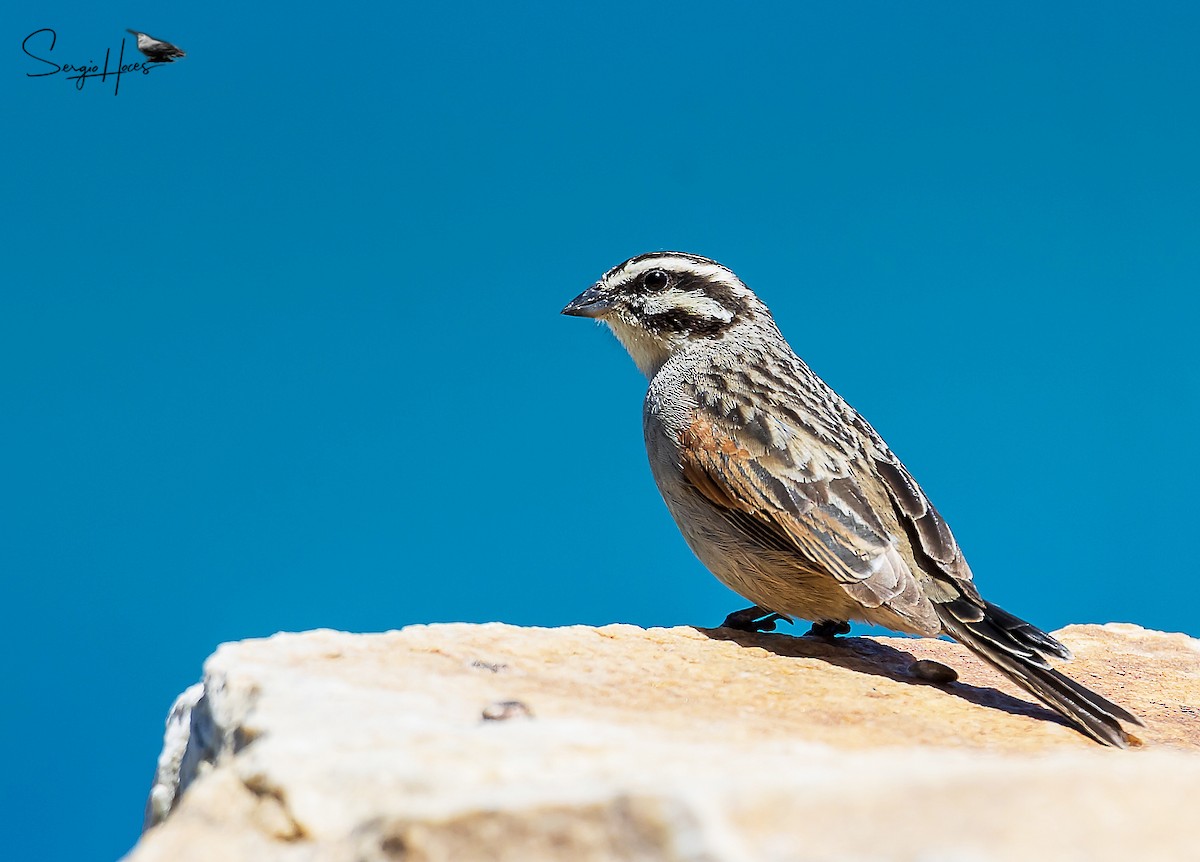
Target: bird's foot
754,619
828,629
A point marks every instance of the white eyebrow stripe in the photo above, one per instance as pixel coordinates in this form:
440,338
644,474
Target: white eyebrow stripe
704,269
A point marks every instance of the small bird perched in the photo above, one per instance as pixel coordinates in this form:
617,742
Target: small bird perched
156,49
786,493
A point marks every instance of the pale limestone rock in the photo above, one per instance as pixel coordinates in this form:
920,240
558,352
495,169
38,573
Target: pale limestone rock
178,742
665,744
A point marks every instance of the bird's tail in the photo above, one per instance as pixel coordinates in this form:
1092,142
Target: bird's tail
1019,651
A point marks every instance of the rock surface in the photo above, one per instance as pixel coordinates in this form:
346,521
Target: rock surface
493,742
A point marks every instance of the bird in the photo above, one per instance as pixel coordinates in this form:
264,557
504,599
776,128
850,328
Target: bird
788,496
156,49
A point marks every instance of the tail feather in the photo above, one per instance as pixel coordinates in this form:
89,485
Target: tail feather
1026,633
1016,648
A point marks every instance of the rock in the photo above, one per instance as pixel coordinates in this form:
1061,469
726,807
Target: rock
933,671
665,744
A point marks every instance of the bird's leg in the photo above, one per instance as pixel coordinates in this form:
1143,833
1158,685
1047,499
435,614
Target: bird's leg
754,619
828,629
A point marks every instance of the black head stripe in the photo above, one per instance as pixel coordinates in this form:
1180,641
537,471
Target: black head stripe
678,320
667,256
722,293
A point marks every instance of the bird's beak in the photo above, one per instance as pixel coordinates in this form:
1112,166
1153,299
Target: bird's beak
590,303
134,32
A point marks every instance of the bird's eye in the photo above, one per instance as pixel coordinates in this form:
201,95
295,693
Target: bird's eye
656,279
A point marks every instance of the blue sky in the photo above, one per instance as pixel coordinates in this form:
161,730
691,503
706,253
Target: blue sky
281,346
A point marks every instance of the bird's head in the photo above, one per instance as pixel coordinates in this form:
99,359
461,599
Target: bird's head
660,303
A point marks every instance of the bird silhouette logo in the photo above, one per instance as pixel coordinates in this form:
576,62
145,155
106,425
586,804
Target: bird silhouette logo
157,50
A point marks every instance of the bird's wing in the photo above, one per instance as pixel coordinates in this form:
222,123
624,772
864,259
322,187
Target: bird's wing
797,495
159,44
931,539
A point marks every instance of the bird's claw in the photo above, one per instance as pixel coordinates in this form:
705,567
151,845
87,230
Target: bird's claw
828,629
754,619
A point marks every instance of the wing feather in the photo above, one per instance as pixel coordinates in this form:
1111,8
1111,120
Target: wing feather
824,518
